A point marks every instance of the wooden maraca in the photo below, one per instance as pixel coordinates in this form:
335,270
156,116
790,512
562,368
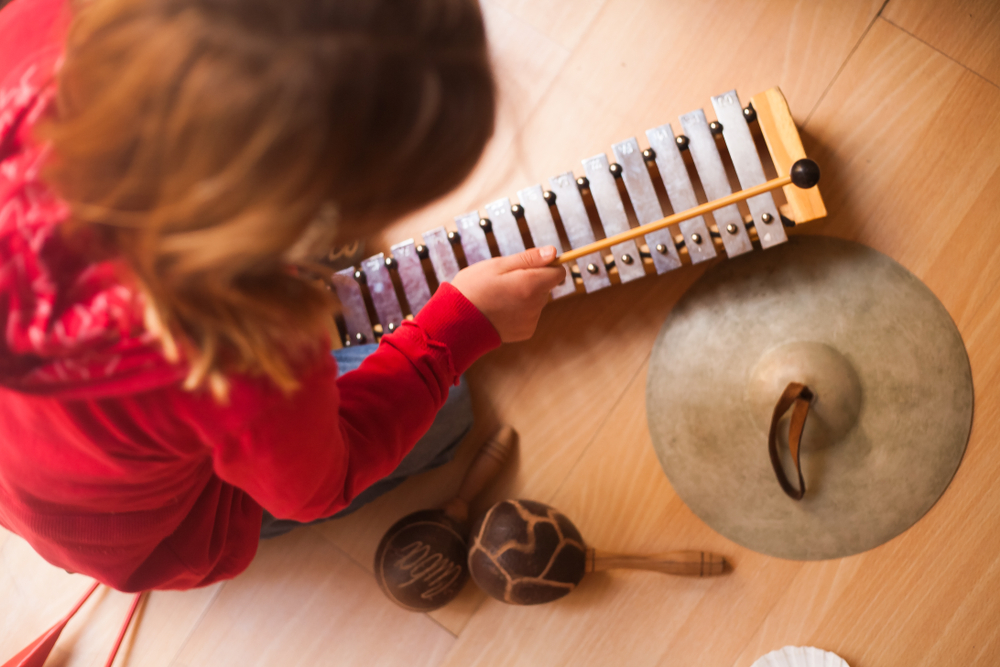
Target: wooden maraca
421,562
525,552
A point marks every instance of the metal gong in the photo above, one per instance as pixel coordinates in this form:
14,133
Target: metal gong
891,412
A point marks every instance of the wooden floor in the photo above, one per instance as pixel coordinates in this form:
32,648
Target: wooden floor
899,103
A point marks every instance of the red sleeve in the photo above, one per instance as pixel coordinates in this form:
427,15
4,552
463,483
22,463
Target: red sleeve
307,456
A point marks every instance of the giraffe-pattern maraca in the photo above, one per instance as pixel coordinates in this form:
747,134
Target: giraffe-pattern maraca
525,552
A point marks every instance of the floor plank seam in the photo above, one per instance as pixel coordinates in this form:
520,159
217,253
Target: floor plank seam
516,143
446,659
440,625
763,619
843,65
937,50
365,569
357,563
344,553
590,443
194,628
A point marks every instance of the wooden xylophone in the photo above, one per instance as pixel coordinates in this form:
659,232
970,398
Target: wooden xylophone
692,240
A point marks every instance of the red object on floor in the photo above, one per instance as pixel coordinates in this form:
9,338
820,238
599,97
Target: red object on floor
37,652
121,633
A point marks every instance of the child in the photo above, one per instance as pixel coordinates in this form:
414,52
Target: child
164,166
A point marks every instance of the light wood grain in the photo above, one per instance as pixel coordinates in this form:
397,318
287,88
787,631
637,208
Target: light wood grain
358,534
302,602
966,30
926,597
526,62
163,622
641,64
644,63
563,22
34,595
917,153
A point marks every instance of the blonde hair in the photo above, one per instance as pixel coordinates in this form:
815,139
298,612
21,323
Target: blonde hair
212,143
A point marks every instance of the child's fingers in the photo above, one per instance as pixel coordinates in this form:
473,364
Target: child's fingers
535,263
532,258
549,276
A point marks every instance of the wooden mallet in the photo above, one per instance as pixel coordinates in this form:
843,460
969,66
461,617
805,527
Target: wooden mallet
421,562
804,174
525,552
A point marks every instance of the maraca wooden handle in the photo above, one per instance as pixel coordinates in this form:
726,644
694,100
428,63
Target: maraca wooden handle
683,563
487,464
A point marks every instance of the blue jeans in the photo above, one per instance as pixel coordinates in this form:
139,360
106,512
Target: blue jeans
435,448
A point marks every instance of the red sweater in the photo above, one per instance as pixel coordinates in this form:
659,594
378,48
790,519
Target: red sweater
108,467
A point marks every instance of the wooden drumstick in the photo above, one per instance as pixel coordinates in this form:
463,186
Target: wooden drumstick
804,174
421,562
525,552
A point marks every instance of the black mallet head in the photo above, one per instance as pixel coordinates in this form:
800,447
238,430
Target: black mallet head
805,173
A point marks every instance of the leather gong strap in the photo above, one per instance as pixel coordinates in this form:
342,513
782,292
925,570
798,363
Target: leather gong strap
797,397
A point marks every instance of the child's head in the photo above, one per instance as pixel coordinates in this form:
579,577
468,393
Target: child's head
216,141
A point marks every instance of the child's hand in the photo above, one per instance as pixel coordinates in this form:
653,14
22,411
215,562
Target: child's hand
511,291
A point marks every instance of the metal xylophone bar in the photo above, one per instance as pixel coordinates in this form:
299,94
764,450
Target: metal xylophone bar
692,237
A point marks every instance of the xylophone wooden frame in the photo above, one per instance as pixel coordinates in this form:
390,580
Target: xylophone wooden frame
370,289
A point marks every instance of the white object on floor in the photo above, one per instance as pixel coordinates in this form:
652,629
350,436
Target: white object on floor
800,656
